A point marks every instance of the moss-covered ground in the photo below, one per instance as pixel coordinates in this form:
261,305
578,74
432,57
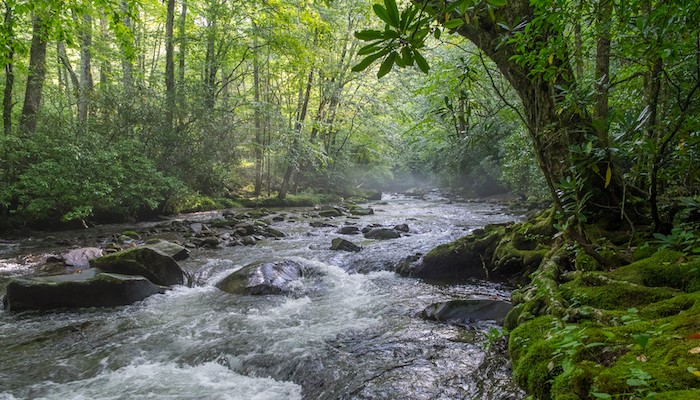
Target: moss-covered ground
631,332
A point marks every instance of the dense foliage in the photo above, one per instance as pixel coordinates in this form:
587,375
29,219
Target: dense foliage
120,109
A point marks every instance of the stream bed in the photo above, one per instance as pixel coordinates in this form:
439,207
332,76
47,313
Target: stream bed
350,330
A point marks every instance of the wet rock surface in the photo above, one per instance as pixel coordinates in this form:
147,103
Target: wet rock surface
465,311
263,278
89,288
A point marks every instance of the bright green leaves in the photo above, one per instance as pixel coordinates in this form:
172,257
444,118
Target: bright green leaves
404,33
497,3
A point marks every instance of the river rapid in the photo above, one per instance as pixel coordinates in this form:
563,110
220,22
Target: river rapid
350,330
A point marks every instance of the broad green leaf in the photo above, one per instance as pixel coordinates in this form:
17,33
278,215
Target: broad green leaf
420,61
601,395
393,12
369,34
497,3
437,34
453,23
369,49
608,176
382,13
362,65
387,64
406,56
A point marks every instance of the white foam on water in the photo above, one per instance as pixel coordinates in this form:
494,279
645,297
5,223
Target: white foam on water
170,381
10,268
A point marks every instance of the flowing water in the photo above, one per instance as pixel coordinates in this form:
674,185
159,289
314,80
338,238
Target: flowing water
348,331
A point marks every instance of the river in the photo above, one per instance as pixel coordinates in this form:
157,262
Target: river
349,331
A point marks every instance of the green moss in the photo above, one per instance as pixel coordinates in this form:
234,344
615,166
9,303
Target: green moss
592,289
664,268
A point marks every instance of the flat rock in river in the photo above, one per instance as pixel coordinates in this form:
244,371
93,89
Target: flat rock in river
89,288
467,310
80,258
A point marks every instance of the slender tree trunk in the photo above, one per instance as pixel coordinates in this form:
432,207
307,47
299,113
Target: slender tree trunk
602,69
86,83
37,75
182,47
297,128
169,67
9,72
210,61
127,64
578,42
258,128
105,68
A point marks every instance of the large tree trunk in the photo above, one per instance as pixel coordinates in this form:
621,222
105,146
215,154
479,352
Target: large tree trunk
553,129
9,72
37,75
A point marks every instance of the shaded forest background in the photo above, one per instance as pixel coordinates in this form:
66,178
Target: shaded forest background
116,109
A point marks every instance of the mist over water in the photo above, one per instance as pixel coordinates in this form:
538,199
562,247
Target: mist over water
348,331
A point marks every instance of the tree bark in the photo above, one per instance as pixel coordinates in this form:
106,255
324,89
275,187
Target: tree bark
258,128
182,48
37,75
169,67
86,83
9,72
602,69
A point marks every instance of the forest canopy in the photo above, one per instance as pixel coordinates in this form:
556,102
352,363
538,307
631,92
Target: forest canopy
115,109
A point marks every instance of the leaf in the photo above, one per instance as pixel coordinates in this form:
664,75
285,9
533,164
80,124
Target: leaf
393,12
387,64
382,13
453,23
497,3
694,350
636,382
437,34
550,59
695,335
369,49
421,62
608,176
368,60
696,373
601,395
368,34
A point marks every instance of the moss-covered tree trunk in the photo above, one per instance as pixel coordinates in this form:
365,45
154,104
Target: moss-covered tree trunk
554,127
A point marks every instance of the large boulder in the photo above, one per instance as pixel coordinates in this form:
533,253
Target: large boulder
151,263
467,310
382,234
80,258
349,230
263,278
89,288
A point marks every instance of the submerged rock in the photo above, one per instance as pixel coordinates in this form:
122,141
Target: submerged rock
349,230
467,310
382,234
344,245
263,278
89,288
151,263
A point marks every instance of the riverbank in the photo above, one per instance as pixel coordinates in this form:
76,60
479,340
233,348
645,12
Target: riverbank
616,318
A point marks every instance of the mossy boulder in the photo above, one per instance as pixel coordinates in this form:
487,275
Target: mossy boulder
149,262
174,250
344,245
89,288
382,234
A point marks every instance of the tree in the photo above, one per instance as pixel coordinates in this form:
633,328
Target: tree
37,71
527,43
